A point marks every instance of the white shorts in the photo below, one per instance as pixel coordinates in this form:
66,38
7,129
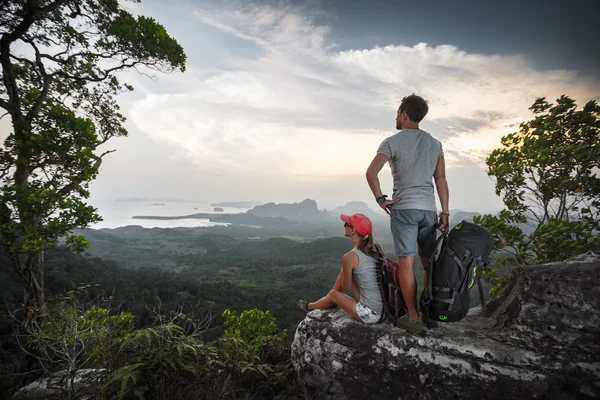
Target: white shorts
367,315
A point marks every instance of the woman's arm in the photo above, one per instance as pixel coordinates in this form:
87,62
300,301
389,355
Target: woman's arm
349,262
356,290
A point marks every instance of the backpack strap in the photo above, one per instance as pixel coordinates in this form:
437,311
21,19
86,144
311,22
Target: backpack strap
457,260
458,290
381,258
380,254
429,270
447,301
436,250
480,265
465,279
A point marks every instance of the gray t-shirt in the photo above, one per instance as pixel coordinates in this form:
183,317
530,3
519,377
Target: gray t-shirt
413,155
365,276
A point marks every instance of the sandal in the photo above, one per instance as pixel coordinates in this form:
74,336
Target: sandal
303,306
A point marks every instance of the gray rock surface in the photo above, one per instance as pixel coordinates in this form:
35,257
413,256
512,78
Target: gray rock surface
539,338
86,383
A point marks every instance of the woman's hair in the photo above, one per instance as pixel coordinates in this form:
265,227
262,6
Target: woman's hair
366,245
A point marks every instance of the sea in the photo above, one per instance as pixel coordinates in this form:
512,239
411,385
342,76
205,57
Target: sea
119,213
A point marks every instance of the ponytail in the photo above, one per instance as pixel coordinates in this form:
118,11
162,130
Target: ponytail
366,245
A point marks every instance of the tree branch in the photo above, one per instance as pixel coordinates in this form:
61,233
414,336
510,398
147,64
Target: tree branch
35,109
89,78
26,61
72,57
564,214
50,181
8,76
37,106
47,39
106,152
80,178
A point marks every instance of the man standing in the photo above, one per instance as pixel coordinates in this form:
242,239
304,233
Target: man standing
415,158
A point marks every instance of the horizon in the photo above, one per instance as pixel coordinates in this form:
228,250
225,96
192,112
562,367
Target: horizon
320,207
258,203
288,100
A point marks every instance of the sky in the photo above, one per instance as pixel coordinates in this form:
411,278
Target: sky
287,100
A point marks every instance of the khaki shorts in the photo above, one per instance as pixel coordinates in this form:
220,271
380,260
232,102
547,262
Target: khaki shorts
367,315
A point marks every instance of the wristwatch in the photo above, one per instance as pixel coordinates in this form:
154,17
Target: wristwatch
381,199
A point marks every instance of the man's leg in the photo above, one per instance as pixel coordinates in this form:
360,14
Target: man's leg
404,230
426,240
424,262
408,284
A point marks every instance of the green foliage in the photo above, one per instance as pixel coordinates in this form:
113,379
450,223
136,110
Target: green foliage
61,97
252,345
547,175
75,335
73,323
548,168
254,350
235,369
164,360
153,355
252,326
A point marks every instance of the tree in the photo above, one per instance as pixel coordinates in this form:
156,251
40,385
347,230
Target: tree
79,335
548,176
59,64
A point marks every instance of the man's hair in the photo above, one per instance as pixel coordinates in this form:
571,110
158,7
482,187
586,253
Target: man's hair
415,107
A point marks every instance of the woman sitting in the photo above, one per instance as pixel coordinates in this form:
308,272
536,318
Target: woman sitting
359,272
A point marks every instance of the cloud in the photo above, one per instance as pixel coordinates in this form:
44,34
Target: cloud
300,108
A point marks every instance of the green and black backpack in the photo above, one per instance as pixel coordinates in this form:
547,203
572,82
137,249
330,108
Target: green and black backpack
453,269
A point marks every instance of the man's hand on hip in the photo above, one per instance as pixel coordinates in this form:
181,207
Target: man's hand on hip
387,205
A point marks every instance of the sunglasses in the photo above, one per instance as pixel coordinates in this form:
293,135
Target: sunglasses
347,225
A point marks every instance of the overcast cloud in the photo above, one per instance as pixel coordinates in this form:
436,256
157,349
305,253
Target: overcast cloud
273,109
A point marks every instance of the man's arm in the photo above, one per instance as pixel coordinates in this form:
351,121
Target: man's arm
373,172
442,188
373,179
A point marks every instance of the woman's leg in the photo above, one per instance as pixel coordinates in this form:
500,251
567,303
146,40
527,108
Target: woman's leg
334,297
345,302
326,302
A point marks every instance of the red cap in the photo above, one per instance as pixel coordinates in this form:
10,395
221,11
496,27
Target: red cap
360,222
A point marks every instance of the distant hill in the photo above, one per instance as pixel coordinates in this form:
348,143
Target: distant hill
457,216
135,247
306,210
353,207
360,207
178,249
